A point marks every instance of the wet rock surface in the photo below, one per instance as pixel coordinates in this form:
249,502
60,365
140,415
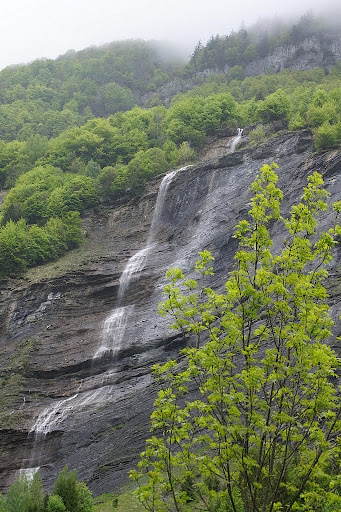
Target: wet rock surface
97,411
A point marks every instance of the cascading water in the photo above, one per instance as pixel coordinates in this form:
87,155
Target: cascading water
135,264
132,270
52,417
114,325
160,201
113,330
28,473
235,141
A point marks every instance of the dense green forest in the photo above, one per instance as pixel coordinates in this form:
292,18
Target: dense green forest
49,96
53,175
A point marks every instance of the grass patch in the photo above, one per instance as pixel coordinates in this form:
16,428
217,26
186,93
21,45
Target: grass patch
126,501
75,259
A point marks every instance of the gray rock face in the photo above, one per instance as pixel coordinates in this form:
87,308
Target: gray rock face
312,52
94,414
309,54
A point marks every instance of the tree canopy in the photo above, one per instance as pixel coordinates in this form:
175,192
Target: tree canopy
68,495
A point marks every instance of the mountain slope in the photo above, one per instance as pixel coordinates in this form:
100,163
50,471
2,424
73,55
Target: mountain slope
96,412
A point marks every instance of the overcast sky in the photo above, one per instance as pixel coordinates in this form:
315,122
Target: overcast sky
32,29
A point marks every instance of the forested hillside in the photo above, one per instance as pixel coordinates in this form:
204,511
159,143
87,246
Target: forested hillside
48,96
56,169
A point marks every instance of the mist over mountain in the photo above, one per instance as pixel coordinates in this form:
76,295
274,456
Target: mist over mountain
41,29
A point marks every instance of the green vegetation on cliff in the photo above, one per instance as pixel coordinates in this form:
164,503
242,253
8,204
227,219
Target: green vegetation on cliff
242,47
55,170
48,96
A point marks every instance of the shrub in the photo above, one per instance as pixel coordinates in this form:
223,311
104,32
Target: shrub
325,136
66,486
186,153
55,504
275,107
257,135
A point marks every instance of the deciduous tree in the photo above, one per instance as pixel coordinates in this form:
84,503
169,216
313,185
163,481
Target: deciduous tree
246,420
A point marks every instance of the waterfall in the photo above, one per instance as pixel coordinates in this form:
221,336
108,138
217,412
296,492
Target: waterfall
132,270
160,201
235,141
114,326
135,264
52,417
28,473
113,331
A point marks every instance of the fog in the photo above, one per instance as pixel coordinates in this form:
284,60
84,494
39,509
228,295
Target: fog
46,28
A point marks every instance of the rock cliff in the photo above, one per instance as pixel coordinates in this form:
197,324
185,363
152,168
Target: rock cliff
312,52
93,414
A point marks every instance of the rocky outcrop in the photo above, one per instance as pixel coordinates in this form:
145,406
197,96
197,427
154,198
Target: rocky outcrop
97,411
312,52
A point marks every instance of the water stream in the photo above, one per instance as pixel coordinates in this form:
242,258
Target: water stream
159,205
115,324
132,270
28,473
52,417
235,141
113,331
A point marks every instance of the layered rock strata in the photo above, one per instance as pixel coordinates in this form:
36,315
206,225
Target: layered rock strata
94,413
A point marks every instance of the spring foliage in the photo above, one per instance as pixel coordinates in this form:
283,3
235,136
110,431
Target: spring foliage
259,433
65,160
68,495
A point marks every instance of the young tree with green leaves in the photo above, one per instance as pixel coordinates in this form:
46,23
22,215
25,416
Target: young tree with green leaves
55,504
36,495
247,419
24,495
75,495
18,496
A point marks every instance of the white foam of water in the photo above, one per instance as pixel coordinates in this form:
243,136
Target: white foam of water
132,270
113,331
52,417
136,263
160,201
28,473
234,143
